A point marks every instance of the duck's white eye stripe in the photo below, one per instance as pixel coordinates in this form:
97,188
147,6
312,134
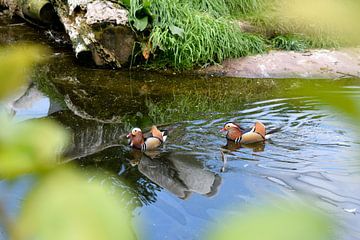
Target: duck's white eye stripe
231,125
136,130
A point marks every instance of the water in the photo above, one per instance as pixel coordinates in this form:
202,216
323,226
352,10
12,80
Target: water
182,190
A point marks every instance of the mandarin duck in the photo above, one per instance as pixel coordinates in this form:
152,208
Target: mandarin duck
155,139
240,135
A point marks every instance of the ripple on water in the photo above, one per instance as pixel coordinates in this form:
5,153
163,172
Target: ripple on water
310,156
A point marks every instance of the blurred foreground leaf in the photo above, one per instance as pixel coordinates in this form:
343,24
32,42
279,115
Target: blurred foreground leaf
64,205
334,96
339,17
294,223
29,147
15,64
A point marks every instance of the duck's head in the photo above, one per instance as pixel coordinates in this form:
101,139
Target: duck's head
230,126
134,132
136,138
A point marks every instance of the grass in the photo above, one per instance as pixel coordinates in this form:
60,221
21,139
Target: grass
194,33
222,8
187,34
289,42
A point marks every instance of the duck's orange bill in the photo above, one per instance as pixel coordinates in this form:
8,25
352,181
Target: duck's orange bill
129,135
222,130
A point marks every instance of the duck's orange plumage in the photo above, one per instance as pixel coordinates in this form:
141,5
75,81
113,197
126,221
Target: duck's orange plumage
138,141
239,135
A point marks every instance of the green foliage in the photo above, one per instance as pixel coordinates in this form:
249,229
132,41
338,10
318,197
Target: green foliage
29,147
333,96
301,42
320,24
200,37
205,40
288,42
226,8
245,6
286,222
20,58
184,34
64,205
194,33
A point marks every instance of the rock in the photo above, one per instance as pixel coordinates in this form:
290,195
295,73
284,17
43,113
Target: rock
99,28
99,12
318,63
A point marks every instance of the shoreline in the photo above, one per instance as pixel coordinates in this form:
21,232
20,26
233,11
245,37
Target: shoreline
310,64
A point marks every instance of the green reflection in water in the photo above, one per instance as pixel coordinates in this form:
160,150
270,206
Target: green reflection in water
147,98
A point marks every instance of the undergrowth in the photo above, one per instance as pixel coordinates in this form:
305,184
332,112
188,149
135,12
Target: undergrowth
183,34
198,38
289,42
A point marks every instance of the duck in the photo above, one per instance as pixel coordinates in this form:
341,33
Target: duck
238,134
151,142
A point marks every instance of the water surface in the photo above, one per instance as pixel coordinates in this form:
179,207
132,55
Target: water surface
182,190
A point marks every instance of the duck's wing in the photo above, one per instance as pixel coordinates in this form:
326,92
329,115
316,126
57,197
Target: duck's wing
255,134
152,143
156,133
159,134
251,137
260,129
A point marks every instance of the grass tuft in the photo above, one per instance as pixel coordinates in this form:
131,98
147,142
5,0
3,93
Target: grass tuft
189,37
184,34
289,42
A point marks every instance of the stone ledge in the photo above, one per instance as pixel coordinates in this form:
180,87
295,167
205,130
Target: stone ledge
317,63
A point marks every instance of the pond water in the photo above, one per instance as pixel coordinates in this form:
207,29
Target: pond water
182,190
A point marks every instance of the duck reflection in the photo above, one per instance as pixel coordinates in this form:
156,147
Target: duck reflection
256,147
181,174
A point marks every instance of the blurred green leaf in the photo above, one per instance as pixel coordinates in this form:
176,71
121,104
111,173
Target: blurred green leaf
140,24
29,146
270,223
176,30
335,96
64,205
15,63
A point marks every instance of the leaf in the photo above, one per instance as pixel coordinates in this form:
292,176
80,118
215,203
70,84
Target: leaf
147,50
146,3
64,205
140,24
334,96
176,30
15,64
270,223
29,147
